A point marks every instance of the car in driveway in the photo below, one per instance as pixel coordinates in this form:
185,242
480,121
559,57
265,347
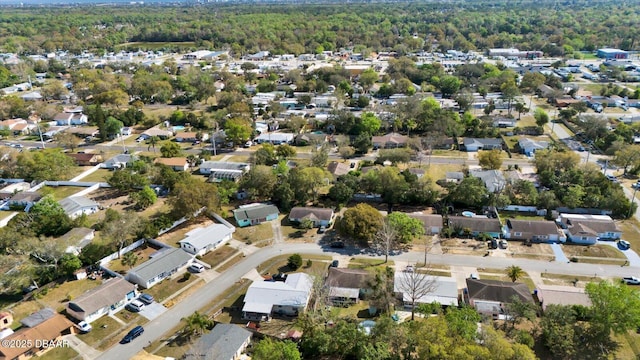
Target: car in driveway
196,268
84,327
631,280
135,306
334,263
134,333
146,298
503,244
624,245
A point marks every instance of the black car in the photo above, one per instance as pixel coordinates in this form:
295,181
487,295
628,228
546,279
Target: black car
334,263
134,333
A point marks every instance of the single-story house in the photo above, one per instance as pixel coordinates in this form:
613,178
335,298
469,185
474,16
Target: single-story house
202,240
562,295
265,298
389,141
83,131
529,146
254,214
490,296
454,176
419,173
503,122
309,138
17,126
161,265
86,159
347,286
319,216
588,229
476,144
476,225
25,199
119,161
50,329
106,299
432,222
75,206
191,136
493,180
176,163
224,170
162,134
444,290
77,238
224,342
275,138
338,168
532,230
70,118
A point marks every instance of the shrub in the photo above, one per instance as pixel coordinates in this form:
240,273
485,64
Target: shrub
309,263
294,262
186,276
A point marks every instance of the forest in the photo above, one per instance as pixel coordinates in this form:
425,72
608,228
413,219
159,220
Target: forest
557,28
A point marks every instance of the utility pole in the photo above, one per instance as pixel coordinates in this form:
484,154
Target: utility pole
633,200
40,132
213,141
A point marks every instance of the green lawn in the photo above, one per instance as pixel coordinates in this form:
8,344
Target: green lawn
254,233
103,328
99,175
59,353
60,192
169,287
216,257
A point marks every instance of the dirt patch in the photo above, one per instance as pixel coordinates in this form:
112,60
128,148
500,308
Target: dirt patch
172,237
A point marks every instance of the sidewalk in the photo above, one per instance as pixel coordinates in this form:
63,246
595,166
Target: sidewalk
84,350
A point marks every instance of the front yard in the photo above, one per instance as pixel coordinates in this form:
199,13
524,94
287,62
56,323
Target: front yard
168,287
216,257
254,234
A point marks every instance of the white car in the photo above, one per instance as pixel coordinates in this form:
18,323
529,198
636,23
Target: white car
135,306
196,268
84,327
503,244
631,280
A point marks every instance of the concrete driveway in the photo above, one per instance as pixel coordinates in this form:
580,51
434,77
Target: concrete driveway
632,256
557,251
152,310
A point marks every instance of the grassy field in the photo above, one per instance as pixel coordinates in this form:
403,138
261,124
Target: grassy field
98,175
60,192
254,233
439,171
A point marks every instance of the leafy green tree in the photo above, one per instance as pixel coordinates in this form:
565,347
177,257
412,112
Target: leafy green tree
285,151
237,130
470,192
294,262
559,331
490,159
145,197
369,124
259,182
170,149
627,156
406,227
47,164
340,193
531,81
509,92
319,157
129,259
69,263
614,307
541,117
362,143
514,272
306,182
265,155
367,79
125,180
196,324
449,85
360,222
112,126
268,349
49,218
395,156
191,195
67,140
346,152
463,321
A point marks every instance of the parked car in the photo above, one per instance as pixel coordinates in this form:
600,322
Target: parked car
624,244
503,244
196,268
135,306
322,229
631,280
134,333
84,327
334,263
636,185
146,298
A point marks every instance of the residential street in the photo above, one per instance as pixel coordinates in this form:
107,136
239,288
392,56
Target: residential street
157,328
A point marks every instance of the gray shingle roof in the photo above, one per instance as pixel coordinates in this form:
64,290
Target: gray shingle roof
478,224
76,203
166,260
107,294
38,317
312,213
258,211
221,343
495,290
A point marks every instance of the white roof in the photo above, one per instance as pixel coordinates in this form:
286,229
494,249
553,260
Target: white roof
201,237
586,217
445,290
275,137
295,291
344,292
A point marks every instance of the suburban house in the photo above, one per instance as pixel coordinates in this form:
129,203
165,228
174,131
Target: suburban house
17,126
224,170
254,214
454,176
83,131
38,330
475,144
419,173
191,136
561,295
161,134
176,163
444,290
265,298
119,161
275,138
86,159
588,229
76,239
338,168
70,118
162,264
24,199
475,225
106,299
319,216
389,141
529,146
75,206
489,296
432,222
493,180
347,286
202,240
224,342
533,230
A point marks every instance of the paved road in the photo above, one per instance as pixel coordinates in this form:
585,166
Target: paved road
158,328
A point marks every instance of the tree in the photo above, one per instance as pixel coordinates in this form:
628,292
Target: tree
67,140
514,272
170,149
346,152
395,156
285,151
367,79
559,327
306,182
463,321
340,193
196,324
238,130
469,192
541,117
126,180
129,259
614,307
69,263
259,182
191,195
360,222
414,286
520,108
268,349
531,81
627,156
490,159
48,218
509,92
112,127
46,164
319,157
145,197
153,141
449,85
294,262
407,228
517,310
385,239
265,155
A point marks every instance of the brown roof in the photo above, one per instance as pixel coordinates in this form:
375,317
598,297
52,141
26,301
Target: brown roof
312,213
479,224
186,135
348,278
47,330
107,294
85,157
338,168
176,161
496,290
598,226
429,220
533,226
582,230
26,196
393,138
